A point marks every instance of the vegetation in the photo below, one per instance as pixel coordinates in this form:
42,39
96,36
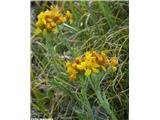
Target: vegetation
96,26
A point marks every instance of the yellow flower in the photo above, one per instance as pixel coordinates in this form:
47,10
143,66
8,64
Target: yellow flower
53,24
60,20
79,67
88,55
79,59
44,21
68,64
100,59
54,27
91,61
71,70
105,57
48,26
68,17
113,61
40,15
48,20
88,66
48,13
57,16
95,70
87,72
38,24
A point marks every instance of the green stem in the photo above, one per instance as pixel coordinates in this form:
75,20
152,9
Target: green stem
64,39
103,102
84,86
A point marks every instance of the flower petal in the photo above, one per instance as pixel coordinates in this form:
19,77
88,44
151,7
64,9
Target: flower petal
88,72
95,70
114,69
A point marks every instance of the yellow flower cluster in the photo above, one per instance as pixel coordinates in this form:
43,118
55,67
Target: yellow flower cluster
48,20
92,61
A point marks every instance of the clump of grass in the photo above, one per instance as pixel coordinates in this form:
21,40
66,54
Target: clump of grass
101,26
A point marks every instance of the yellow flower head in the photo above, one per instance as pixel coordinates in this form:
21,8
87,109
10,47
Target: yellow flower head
68,17
49,20
92,61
